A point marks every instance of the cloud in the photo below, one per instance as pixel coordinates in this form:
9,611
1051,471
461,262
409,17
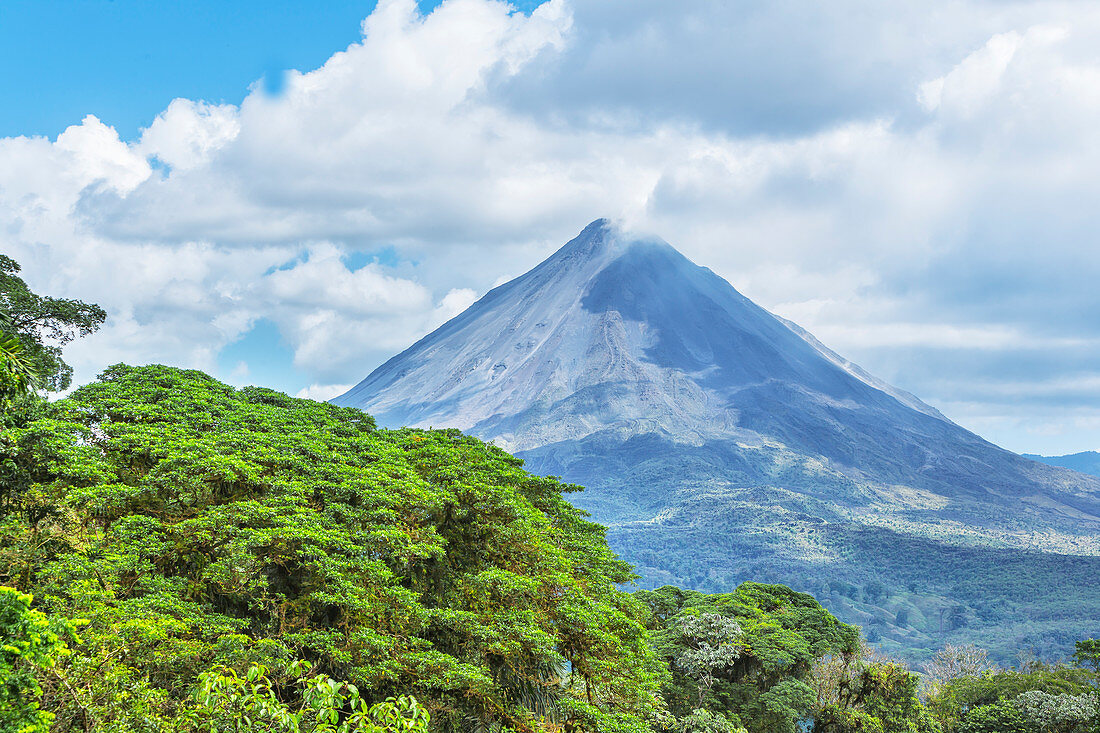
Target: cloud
93,155
974,80
917,186
187,133
323,279
323,392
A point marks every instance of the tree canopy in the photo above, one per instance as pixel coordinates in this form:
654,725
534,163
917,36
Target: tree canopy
29,639
745,655
1036,699
193,525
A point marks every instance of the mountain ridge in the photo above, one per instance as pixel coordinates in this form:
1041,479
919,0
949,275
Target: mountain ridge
1083,462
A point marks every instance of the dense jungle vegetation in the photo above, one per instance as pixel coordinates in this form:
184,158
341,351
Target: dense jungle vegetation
180,555
910,595
911,592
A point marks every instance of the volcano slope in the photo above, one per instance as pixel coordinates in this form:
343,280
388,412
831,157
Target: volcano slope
720,444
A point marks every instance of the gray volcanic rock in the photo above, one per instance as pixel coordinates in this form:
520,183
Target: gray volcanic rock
695,417
534,362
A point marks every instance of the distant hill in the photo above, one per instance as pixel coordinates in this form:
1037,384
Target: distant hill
721,443
1087,462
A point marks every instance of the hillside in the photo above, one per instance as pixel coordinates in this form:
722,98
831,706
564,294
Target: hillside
1086,462
721,443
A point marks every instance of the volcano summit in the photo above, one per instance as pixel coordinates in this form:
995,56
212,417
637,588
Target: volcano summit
721,443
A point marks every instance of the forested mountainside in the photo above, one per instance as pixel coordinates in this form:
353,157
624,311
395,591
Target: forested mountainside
179,555
722,444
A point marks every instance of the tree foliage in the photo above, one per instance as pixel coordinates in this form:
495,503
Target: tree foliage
1087,654
865,693
41,325
745,655
1036,699
248,703
30,642
17,375
197,525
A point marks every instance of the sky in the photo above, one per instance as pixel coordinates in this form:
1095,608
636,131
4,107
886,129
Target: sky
289,193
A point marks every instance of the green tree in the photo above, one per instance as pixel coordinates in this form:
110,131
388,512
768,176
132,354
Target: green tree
29,642
248,704
998,717
43,325
17,375
874,591
1060,713
1087,654
702,720
712,644
745,656
867,694
902,617
1037,699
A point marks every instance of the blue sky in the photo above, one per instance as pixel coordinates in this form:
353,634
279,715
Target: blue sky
916,184
125,60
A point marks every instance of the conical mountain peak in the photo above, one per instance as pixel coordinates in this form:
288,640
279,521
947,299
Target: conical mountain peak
705,428
613,331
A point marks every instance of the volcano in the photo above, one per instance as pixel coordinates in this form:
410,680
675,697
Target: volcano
721,443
